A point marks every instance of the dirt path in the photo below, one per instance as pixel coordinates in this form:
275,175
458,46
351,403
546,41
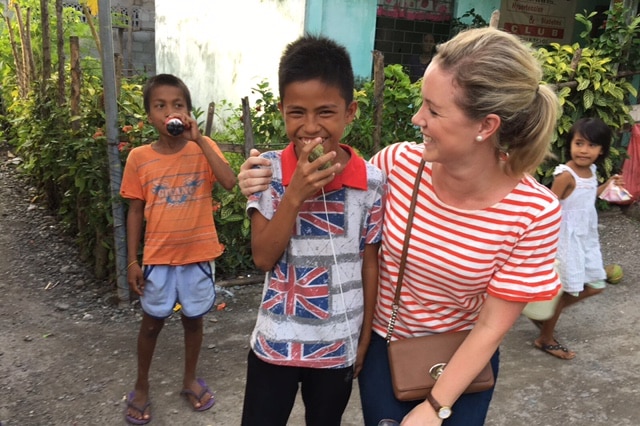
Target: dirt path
67,353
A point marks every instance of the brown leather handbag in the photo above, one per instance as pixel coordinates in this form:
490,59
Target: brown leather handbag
417,362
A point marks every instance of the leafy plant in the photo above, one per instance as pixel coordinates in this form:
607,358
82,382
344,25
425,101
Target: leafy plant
619,41
234,228
401,100
266,120
69,164
589,84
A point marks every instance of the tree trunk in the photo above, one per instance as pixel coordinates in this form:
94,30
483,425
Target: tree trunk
25,39
96,37
46,43
29,48
23,85
61,58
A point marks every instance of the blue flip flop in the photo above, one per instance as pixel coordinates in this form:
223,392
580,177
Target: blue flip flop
205,390
133,420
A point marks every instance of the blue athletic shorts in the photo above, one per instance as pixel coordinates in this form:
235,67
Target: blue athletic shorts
193,286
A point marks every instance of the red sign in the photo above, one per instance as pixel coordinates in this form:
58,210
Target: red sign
534,31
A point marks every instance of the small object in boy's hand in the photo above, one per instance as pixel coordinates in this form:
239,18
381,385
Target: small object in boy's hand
175,127
317,152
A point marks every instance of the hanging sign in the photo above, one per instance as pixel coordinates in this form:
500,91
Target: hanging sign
539,21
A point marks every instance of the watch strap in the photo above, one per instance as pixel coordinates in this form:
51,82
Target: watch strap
443,411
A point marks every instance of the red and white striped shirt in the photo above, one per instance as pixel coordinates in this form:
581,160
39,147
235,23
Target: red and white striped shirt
457,257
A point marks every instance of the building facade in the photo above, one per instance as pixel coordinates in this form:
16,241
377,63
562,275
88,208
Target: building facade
223,49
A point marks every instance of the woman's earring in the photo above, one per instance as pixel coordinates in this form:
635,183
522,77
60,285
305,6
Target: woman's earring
479,138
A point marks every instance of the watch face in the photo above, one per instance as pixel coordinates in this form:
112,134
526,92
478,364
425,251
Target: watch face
444,412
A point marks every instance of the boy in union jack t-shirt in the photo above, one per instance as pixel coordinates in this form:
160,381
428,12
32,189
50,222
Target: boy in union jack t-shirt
316,232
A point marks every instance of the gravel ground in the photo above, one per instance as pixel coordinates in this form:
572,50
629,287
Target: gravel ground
67,350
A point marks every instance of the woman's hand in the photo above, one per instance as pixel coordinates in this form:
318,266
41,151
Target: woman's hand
422,415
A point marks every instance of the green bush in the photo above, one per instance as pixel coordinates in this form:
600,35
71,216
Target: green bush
401,100
589,85
234,228
69,165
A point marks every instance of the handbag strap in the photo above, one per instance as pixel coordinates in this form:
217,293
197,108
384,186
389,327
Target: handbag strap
403,257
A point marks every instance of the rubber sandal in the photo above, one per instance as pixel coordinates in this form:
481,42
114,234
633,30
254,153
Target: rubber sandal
134,420
557,347
205,390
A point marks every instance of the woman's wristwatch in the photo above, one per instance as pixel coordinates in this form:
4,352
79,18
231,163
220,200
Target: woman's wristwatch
443,411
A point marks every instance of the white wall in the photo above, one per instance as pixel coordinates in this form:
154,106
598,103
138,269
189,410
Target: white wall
222,49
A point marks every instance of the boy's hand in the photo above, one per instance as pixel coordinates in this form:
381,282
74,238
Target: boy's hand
363,346
255,174
308,179
135,279
191,130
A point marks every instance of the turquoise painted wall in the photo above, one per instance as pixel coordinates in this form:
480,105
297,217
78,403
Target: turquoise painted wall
482,8
351,23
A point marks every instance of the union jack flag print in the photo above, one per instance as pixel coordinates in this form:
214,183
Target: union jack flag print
320,355
299,291
313,218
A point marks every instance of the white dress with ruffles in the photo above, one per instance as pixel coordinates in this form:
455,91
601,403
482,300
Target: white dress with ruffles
580,259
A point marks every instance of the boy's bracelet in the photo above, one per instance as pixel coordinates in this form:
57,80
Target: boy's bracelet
131,264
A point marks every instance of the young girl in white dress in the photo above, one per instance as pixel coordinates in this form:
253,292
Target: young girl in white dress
579,257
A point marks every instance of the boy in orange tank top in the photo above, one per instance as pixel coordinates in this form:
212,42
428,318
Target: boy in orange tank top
168,185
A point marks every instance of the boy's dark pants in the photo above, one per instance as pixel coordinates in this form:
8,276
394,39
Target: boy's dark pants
271,392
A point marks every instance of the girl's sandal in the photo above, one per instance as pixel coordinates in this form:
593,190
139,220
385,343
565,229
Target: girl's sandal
557,350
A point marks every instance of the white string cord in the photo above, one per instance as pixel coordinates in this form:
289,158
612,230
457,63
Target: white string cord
335,260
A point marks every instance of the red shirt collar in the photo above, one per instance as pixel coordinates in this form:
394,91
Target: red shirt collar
354,175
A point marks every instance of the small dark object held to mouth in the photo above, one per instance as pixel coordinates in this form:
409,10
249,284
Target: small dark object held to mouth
175,127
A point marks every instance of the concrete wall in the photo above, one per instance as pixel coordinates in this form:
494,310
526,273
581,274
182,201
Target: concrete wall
133,34
222,49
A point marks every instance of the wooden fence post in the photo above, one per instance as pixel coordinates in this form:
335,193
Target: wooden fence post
74,43
378,98
495,19
249,143
118,67
208,127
